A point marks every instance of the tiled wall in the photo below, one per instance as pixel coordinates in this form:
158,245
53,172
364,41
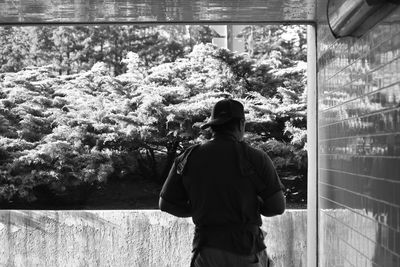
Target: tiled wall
359,147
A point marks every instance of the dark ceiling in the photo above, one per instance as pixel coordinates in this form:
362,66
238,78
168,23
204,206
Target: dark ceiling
156,11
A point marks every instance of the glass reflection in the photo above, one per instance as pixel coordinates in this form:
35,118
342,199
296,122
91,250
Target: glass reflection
359,149
28,11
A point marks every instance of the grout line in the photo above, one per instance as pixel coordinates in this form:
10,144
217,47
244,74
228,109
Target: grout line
361,135
362,195
363,175
387,110
361,156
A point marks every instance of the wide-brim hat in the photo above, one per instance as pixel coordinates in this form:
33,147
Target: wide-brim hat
224,111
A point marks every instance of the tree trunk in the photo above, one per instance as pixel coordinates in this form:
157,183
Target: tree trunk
148,164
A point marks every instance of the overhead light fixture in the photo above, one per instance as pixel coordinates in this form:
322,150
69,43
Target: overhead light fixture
356,17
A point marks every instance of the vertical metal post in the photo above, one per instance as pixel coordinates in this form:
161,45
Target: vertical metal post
229,37
312,147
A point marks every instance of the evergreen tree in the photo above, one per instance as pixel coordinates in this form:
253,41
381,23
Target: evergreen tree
59,133
71,49
14,49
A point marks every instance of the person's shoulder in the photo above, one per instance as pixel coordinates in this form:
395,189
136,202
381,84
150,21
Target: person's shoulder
253,150
254,153
188,150
182,159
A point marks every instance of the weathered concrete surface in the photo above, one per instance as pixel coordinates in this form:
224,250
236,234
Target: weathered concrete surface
125,238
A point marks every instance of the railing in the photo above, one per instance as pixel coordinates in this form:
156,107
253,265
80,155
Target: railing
126,238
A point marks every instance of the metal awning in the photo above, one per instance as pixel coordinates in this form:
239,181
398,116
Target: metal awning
156,11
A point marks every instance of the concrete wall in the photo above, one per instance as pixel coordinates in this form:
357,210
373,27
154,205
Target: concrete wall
125,238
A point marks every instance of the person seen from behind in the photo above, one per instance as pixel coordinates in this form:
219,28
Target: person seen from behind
225,185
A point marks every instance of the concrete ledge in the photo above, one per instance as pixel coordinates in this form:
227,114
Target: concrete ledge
125,238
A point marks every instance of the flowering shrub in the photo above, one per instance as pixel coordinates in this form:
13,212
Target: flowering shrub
59,133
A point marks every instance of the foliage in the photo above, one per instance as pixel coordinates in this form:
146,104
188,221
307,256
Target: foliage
60,132
71,49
